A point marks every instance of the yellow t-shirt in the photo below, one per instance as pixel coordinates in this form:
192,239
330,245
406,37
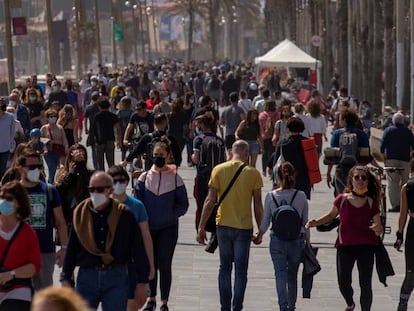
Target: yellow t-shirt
235,211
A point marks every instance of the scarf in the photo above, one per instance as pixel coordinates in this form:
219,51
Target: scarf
83,226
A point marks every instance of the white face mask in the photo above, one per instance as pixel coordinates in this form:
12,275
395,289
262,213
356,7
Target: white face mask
119,188
93,83
33,175
129,94
98,199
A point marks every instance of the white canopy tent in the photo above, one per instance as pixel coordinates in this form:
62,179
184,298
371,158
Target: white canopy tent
287,54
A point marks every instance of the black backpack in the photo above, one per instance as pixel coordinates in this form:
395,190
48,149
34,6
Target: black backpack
212,152
348,149
286,221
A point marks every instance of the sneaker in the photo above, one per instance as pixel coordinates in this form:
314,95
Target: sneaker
164,308
212,244
150,306
350,308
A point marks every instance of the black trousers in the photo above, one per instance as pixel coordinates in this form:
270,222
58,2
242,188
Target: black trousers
346,257
408,283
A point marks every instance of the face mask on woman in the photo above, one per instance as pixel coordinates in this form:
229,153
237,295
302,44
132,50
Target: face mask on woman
6,208
159,161
52,120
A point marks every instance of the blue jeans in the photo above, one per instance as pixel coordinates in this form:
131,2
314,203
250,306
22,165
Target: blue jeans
110,287
94,157
52,161
234,246
286,257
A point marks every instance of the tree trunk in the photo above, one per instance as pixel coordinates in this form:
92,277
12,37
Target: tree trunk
389,50
211,14
190,30
342,40
378,48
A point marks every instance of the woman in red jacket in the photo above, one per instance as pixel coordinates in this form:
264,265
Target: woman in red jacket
19,247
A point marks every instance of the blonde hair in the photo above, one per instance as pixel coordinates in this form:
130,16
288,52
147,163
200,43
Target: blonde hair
63,298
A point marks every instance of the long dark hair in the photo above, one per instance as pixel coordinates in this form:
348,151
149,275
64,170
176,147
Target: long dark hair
374,185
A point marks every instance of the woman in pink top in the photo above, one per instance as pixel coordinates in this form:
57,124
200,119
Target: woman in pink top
359,228
267,121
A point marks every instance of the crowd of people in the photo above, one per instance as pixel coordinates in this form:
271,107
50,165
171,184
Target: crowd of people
224,118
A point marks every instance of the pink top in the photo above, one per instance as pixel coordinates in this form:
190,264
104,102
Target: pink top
355,222
262,121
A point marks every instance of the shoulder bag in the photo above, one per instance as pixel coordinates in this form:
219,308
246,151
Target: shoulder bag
211,223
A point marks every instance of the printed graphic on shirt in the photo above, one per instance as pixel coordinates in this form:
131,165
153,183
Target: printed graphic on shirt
39,207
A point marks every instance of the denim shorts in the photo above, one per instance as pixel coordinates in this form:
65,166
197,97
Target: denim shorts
254,146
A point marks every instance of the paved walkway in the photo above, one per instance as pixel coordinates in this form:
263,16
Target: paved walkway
195,272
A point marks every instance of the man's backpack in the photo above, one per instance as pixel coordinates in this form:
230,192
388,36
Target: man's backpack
212,152
286,221
348,149
269,125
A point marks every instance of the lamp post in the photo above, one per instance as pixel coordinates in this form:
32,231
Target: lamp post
128,4
49,36
98,32
9,46
148,40
78,44
141,30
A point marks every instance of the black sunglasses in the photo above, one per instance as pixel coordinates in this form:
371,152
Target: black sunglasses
33,166
360,177
98,189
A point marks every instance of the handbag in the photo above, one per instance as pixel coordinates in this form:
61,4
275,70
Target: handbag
278,163
10,283
59,149
211,223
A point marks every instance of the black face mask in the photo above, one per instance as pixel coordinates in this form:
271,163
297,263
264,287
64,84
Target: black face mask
3,107
158,161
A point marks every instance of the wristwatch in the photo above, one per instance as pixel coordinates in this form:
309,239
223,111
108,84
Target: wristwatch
13,273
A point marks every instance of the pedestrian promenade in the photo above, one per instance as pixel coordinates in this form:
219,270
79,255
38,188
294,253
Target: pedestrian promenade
194,285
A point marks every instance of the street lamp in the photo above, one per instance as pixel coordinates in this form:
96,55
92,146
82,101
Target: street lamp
128,4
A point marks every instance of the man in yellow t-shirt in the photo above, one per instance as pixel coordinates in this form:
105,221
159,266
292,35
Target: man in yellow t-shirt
234,222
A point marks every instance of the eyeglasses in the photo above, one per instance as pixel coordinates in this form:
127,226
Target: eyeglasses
8,197
360,177
33,166
98,189
121,181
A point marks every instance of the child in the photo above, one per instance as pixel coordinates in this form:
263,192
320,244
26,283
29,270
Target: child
35,142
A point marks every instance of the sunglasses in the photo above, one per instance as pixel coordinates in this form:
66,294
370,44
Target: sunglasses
98,189
6,197
121,181
33,166
360,177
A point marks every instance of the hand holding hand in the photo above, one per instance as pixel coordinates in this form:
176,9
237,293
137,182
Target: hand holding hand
311,223
257,238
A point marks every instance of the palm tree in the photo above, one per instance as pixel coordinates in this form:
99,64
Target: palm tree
189,8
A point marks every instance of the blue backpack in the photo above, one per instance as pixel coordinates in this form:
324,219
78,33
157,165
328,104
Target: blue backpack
286,221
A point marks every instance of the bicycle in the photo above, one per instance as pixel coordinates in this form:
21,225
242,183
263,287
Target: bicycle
379,172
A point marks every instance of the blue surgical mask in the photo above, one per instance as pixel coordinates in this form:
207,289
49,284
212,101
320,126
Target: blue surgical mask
52,120
198,131
6,208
